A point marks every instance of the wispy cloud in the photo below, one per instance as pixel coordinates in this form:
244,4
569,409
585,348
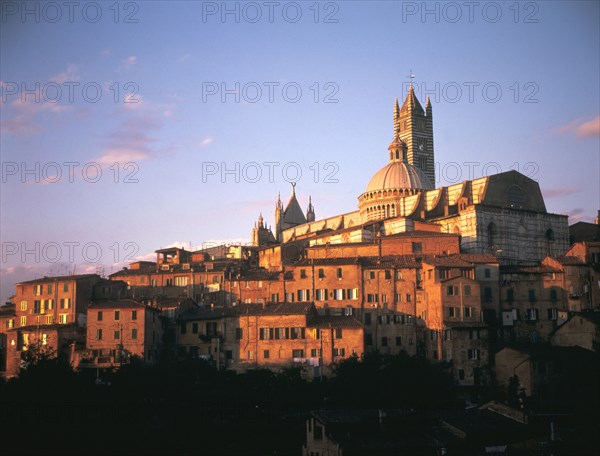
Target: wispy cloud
576,215
131,141
129,62
206,141
69,75
589,129
559,191
581,128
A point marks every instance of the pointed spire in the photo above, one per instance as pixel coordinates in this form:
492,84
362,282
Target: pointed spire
411,103
310,212
396,116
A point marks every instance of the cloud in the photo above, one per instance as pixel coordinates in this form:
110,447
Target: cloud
129,62
559,191
581,127
590,128
26,109
577,215
69,75
206,141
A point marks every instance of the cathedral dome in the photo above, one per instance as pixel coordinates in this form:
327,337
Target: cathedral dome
399,174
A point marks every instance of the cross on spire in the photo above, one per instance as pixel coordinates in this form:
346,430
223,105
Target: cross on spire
410,77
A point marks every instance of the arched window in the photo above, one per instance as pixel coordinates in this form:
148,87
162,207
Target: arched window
492,234
549,240
514,196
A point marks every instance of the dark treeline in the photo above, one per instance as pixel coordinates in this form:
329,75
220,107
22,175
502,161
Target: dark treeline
188,407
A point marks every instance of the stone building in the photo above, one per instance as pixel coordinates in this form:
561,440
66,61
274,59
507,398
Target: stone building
270,336
120,329
51,311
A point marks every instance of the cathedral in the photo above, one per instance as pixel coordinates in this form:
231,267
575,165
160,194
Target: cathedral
286,218
502,214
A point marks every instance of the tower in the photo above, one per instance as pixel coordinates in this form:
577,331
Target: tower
310,211
278,217
414,127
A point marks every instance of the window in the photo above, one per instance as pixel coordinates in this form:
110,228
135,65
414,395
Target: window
182,328
553,294
531,295
50,304
64,303
348,311
339,352
250,354
66,286
473,334
318,434
211,329
452,290
417,247
239,334
134,314
339,294
266,354
408,297
98,334
23,320
352,293
398,341
321,273
384,341
303,273
134,333
531,314
63,318
339,273
443,274
181,281
321,294
274,297
468,311
371,275
37,307
372,297
552,314
265,333
473,353
303,295
99,315
23,305
117,315
388,274
37,290
117,335
315,352
338,333
194,328
398,275
49,288
453,312
487,273
487,294
298,353
510,295
10,323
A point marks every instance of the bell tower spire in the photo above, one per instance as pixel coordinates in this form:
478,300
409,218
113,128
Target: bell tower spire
415,130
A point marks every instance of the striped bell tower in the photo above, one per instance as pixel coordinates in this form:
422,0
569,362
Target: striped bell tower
414,126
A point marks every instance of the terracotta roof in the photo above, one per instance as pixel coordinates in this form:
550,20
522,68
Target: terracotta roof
570,261
528,269
374,262
7,311
334,321
59,278
449,261
117,304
